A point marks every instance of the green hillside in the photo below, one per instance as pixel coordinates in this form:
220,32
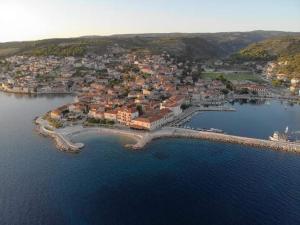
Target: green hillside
285,51
194,46
271,49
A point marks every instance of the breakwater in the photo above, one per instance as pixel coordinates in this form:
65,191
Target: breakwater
225,138
62,141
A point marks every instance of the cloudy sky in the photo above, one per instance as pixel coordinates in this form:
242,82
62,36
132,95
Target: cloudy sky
39,19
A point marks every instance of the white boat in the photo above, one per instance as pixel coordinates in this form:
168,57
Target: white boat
278,137
286,130
215,130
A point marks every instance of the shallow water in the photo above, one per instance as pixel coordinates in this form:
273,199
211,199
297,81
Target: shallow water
172,181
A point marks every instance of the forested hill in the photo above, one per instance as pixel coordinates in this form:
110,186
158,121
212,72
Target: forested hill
284,51
271,49
194,46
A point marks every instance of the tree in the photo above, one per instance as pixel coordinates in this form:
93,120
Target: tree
225,91
139,109
277,83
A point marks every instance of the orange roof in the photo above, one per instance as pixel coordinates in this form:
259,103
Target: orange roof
128,110
154,117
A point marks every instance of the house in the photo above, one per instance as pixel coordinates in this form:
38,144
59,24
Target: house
126,114
174,104
146,69
59,113
146,92
212,96
282,76
56,114
78,107
259,89
295,82
217,84
175,107
111,115
96,114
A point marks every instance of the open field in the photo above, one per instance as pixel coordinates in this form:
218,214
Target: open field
233,76
8,51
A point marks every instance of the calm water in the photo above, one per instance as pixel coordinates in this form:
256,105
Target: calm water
170,182
252,120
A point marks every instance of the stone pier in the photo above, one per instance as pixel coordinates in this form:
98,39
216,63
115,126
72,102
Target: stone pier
225,138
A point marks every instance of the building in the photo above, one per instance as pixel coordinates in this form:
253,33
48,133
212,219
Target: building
295,82
125,115
153,121
111,115
96,114
78,107
59,113
259,89
174,104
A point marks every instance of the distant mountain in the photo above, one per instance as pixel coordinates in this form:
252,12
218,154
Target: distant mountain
194,46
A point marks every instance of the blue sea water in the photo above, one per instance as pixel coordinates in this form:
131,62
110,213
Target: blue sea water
172,181
252,120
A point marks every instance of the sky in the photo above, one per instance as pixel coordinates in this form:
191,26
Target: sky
22,20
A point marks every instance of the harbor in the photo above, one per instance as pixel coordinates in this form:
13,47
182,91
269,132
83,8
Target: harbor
63,137
187,115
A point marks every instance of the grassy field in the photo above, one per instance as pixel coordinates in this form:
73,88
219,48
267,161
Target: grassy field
233,76
8,51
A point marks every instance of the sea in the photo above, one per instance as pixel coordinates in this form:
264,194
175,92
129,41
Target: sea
170,182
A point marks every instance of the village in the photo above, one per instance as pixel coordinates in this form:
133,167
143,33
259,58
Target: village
138,91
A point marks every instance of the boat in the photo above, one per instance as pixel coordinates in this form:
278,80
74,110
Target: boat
277,136
215,130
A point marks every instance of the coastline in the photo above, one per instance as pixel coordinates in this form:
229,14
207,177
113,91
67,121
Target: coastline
63,137
34,93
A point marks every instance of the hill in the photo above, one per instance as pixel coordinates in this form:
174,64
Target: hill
284,52
194,46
